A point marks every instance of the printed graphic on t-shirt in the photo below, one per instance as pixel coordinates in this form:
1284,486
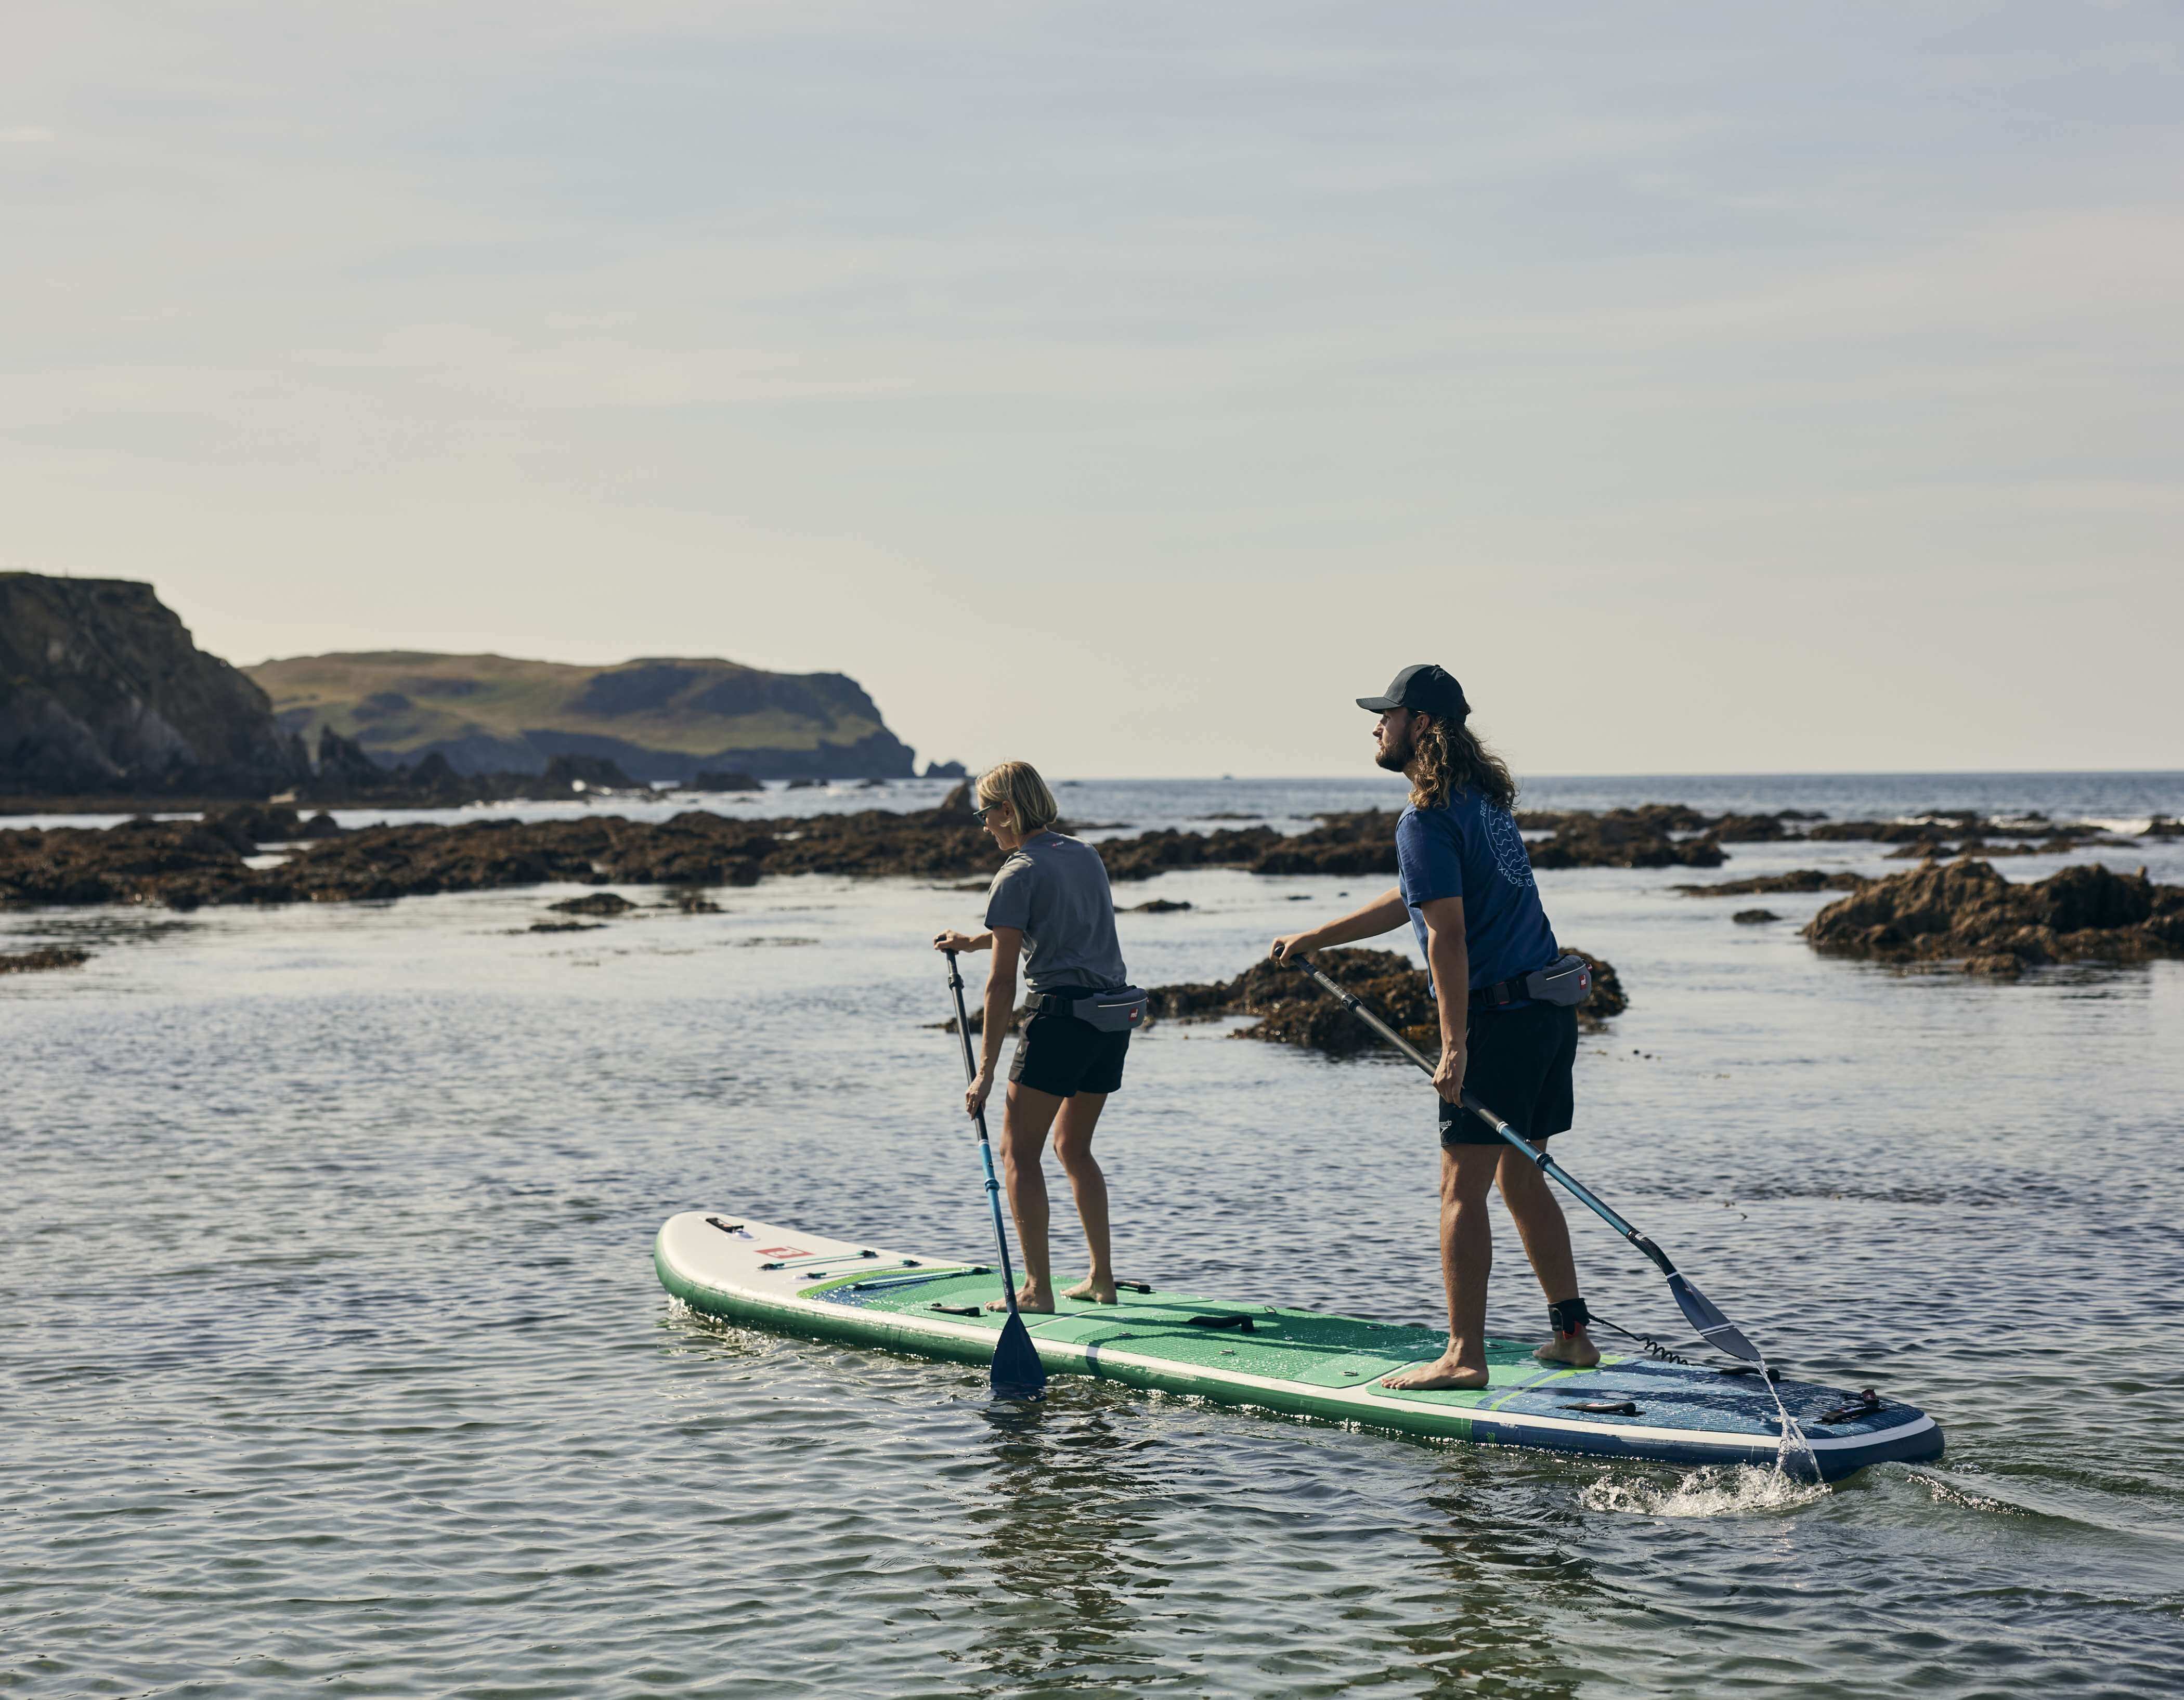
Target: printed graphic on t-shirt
1507,844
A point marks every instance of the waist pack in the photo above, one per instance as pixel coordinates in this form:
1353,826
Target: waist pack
1566,980
1119,1011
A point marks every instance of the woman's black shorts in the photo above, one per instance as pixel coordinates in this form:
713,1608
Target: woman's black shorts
1064,1056
1516,1063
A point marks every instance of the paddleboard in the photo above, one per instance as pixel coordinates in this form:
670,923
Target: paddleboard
1302,1363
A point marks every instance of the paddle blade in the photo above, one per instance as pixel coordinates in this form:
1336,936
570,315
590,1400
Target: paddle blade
1715,1329
1017,1373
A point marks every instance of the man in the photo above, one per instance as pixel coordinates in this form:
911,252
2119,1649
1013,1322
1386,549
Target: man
1465,881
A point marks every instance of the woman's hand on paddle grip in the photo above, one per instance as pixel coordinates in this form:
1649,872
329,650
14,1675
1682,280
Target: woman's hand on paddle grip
1291,944
975,1094
952,940
1448,1078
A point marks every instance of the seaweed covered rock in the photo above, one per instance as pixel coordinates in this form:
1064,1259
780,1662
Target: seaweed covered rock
1769,885
44,957
1293,1011
1966,912
594,903
1629,838
135,861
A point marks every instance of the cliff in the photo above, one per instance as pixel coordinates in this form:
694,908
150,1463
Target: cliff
102,692
658,718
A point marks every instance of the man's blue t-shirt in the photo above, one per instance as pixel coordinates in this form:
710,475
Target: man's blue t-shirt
1471,850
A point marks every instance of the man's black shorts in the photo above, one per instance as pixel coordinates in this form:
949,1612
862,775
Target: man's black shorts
1517,1063
1064,1056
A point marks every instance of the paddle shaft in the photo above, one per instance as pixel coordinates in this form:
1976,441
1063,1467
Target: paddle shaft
1548,1165
985,1146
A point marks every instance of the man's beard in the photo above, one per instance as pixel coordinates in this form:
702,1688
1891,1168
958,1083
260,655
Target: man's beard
1395,756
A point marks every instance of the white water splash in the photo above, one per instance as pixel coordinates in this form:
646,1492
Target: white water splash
1713,1491
1794,1456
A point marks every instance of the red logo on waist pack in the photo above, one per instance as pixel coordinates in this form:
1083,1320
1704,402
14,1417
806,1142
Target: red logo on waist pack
783,1252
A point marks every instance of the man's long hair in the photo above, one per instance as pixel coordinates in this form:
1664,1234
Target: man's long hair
1446,757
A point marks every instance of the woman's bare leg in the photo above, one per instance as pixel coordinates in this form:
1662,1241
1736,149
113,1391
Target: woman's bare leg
1026,1116
1072,1144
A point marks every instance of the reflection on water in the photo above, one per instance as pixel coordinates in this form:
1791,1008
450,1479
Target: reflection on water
1066,1526
333,1354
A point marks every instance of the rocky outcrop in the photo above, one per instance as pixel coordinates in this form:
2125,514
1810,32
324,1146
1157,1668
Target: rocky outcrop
1937,827
1362,844
102,692
1293,1011
594,903
44,957
1769,885
1967,913
186,864
1627,838
1933,850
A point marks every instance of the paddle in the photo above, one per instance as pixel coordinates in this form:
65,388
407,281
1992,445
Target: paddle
1716,1330
1016,1372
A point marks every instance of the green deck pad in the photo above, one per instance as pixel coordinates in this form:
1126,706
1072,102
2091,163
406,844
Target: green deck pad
1308,1349
1303,1347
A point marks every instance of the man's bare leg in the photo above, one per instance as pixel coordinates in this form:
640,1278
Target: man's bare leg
1025,1118
1538,1215
1467,1257
1072,1144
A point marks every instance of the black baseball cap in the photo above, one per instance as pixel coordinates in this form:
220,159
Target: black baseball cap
1425,687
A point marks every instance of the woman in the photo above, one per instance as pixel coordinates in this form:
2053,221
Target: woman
1049,904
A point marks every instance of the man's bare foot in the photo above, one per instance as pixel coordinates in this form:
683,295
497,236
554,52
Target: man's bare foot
1028,1297
1444,1371
1097,1291
1576,1350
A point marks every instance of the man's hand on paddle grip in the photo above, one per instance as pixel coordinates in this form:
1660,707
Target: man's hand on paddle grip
1448,1074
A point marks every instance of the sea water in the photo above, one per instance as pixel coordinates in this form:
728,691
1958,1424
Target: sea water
331,1352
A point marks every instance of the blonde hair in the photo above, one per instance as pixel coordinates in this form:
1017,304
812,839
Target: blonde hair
1446,756
1018,784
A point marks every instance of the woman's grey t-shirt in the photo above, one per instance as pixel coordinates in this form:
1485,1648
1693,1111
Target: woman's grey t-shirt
1055,891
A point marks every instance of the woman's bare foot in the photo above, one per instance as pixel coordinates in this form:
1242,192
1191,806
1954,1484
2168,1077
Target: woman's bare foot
1444,1371
1098,1291
1576,1350
1028,1297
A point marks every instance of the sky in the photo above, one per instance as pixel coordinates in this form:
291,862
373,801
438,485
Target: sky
1127,387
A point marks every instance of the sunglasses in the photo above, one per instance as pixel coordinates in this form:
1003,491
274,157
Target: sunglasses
980,815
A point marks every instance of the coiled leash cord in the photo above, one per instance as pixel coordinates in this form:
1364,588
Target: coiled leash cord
1651,1347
